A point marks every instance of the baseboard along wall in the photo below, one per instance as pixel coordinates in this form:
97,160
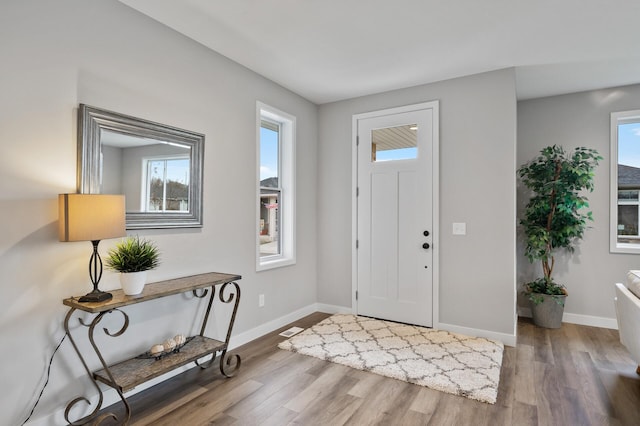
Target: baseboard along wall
588,320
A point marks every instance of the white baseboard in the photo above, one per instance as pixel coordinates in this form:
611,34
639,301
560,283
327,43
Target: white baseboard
261,330
266,328
333,309
111,397
507,339
589,320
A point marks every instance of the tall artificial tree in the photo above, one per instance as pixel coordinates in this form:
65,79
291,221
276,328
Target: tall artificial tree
555,217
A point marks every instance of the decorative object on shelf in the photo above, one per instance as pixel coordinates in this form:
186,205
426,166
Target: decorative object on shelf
180,340
553,220
156,350
91,217
170,346
133,257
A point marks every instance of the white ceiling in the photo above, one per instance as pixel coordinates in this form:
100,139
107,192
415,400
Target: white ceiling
328,50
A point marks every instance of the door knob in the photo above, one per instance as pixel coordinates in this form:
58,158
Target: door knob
425,233
425,246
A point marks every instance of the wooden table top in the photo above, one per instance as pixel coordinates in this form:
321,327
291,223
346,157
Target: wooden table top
152,291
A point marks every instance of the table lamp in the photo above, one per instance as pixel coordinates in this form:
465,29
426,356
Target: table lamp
91,217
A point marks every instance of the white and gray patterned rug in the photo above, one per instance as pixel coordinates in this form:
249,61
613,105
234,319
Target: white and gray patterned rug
448,362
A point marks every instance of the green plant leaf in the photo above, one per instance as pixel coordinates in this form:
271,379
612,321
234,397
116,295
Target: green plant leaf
133,254
553,218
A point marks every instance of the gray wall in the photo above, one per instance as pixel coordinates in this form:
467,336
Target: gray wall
112,180
477,186
580,119
56,55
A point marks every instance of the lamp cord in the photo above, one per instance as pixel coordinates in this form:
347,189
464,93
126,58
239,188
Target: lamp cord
47,381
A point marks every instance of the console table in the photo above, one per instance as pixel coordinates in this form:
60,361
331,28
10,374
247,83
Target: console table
125,375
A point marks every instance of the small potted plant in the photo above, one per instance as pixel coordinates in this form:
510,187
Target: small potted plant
133,257
554,220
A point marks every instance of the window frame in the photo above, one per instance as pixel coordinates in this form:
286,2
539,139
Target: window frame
618,118
286,187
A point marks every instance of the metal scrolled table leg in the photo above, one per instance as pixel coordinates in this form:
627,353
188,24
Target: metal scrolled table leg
92,417
206,364
225,361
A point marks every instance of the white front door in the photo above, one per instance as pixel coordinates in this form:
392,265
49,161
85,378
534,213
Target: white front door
395,220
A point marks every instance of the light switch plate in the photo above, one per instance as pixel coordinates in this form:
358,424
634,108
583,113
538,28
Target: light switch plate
459,229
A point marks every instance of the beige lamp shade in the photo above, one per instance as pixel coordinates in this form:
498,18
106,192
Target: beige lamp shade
91,217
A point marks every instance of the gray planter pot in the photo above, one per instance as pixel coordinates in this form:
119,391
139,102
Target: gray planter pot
548,314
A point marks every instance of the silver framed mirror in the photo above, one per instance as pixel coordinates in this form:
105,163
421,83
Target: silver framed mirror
157,167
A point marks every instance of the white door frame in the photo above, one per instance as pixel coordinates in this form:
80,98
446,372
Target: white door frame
435,107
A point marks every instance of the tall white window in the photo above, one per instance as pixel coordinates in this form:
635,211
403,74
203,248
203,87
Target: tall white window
625,182
275,242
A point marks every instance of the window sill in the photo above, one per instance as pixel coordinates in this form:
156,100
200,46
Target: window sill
265,265
628,248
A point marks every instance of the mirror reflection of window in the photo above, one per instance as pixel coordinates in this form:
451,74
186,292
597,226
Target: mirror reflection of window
126,170
167,185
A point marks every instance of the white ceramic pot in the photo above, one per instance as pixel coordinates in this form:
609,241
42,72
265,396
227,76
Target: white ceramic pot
133,282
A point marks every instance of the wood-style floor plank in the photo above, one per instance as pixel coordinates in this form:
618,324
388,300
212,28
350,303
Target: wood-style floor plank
525,373
575,375
524,414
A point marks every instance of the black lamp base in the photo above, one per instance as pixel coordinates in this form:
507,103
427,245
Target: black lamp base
95,272
96,296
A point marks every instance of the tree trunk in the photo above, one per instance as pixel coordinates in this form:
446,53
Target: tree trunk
546,265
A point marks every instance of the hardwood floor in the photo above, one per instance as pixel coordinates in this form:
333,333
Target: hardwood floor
575,375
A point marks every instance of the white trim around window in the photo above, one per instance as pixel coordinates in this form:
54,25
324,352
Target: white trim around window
620,243
286,216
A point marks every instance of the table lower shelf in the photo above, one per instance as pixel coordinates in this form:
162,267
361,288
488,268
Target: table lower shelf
133,372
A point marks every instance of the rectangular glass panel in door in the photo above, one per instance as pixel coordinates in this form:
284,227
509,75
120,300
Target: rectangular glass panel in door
394,143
